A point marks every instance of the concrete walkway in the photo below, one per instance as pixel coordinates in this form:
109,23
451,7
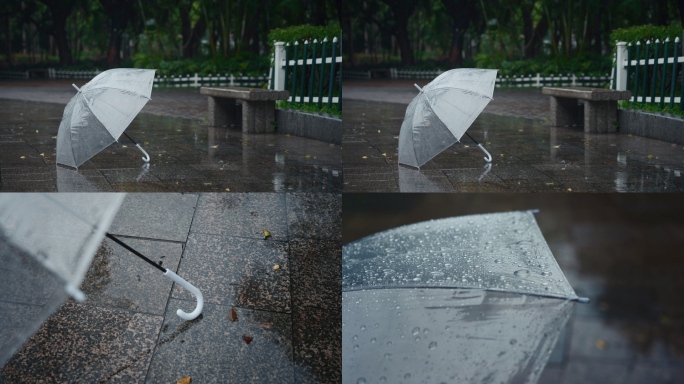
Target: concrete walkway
288,318
187,155
529,155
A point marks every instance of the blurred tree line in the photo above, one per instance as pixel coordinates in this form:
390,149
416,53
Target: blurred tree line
487,32
34,31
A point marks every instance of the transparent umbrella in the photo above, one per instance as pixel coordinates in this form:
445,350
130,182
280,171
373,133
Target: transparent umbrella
442,112
100,112
47,242
469,299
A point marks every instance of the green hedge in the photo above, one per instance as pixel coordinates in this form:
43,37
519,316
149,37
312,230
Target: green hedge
587,63
246,64
645,32
304,32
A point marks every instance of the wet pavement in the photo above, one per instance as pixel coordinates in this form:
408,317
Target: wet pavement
528,156
128,330
621,251
187,155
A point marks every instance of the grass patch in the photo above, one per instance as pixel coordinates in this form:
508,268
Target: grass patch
309,108
654,108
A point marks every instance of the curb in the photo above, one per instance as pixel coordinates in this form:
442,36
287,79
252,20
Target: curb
313,126
655,126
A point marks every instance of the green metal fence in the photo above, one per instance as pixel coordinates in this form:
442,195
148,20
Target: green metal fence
653,72
311,71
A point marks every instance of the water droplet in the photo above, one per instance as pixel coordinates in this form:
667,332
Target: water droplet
373,340
416,331
356,347
407,376
514,341
363,328
522,273
361,380
389,343
432,346
388,356
383,379
355,337
437,274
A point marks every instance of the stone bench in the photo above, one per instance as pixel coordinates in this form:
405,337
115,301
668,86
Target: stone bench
258,107
600,107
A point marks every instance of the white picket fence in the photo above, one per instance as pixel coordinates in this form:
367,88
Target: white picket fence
14,75
524,81
180,81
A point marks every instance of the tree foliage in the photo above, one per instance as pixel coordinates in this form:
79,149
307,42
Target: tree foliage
455,33
119,32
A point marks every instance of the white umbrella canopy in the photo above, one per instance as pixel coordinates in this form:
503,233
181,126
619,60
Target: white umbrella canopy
47,242
442,113
475,298
100,112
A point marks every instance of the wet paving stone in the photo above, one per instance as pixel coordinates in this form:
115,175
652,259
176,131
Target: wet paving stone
181,150
212,348
521,149
314,216
232,270
82,343
161,216
292,313
242,214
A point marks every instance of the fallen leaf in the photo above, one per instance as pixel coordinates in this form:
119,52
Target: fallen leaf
378,131
146,143
227,189
23,157
487,142
184,380
628,151
384,154
629,135
308,156
650,156
556,146
36,131
600,344
265,325
276,267
232,316
214,146
267,234
247,339
286,151
42,154
569,189
364,157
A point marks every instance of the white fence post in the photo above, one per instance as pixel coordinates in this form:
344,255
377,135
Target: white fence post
195,82
621,68
279,68
538,83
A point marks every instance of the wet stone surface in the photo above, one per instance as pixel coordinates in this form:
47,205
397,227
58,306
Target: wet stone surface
128,330
186,156
528,156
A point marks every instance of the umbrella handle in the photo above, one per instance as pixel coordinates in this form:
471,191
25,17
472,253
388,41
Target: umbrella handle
489,157
183,283
147,157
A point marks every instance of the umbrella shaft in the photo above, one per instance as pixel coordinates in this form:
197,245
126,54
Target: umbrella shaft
471,138
129,138
133,251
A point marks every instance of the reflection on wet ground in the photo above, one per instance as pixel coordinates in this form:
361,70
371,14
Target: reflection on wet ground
529,156
127,330
621,251
186,156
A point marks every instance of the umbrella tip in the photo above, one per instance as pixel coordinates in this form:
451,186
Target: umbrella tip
419,88
584,300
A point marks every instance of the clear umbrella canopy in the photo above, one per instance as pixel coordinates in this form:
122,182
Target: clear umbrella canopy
47,242
468,299
100,112
442,112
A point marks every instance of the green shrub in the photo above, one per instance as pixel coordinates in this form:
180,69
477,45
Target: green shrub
304,32
645,32
246,64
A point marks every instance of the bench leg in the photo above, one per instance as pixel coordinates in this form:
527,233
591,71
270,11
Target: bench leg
600,116
563,111
258,116
222,112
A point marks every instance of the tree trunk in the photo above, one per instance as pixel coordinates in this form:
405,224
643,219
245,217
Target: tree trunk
8,40
65,58
456,51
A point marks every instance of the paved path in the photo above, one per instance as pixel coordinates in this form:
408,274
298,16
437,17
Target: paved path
529,155
187,155
127,330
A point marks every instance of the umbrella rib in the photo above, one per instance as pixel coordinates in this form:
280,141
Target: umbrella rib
414,286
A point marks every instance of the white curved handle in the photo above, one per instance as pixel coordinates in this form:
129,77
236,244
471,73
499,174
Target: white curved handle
183,283
147,157
489,157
